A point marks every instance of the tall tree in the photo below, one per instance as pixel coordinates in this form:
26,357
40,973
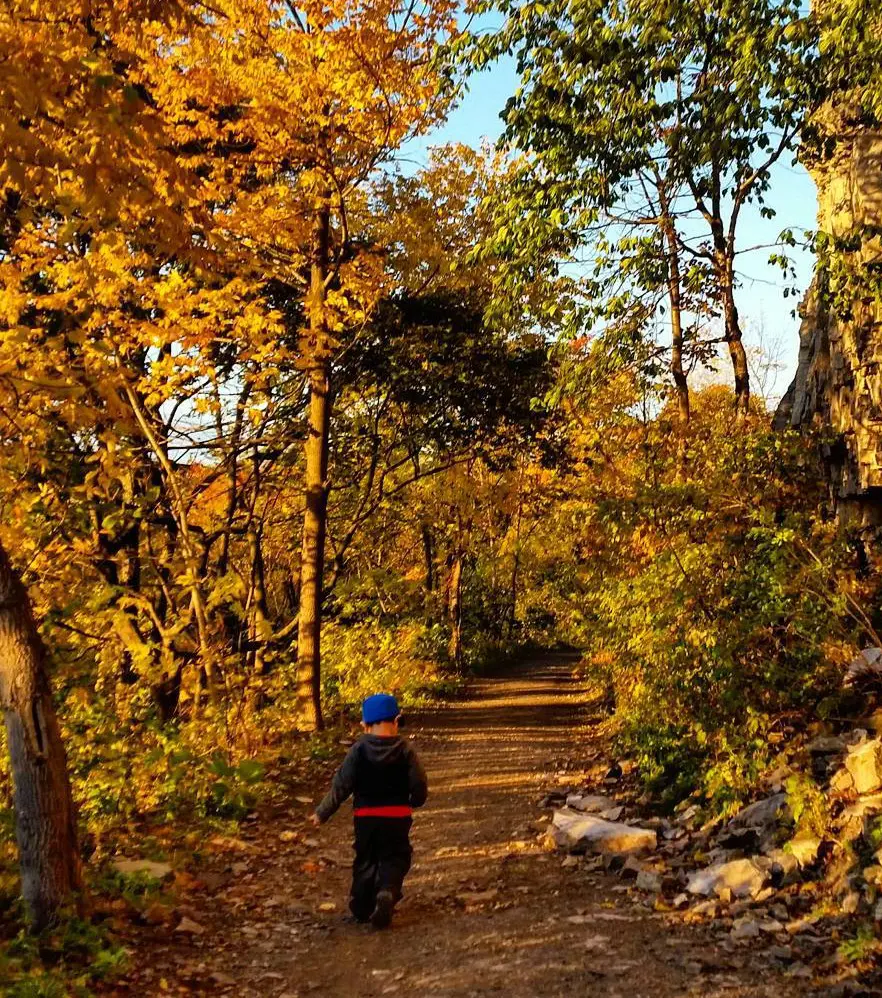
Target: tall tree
45,820
705,96
228,218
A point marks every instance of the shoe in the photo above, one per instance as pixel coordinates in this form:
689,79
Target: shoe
382,916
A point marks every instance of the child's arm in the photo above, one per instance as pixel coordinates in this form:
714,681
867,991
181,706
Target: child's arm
341,786
419,783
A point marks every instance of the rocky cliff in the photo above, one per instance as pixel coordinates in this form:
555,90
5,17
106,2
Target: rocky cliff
838,383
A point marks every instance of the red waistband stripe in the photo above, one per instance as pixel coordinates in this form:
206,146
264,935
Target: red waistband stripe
386,811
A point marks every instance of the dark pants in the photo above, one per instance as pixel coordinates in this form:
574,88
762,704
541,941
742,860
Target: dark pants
382,859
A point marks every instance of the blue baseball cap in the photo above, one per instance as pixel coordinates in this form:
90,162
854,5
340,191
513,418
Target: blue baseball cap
379,707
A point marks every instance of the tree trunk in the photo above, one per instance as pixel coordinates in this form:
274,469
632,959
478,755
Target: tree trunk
259,614
44,810
312,558
516,561
737,353
429,556
207,664
454,608
681,385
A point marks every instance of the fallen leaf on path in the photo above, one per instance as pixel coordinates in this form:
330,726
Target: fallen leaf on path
157,914
187,882
228,842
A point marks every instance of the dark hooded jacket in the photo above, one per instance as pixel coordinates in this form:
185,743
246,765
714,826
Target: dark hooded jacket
377,772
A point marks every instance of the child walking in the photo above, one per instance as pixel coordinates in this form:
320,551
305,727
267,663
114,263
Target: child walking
386,779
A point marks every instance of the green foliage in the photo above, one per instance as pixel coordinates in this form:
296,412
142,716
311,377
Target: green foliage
61,963
717,598
861,946
365,658
232,794
634,154
135,888
807,804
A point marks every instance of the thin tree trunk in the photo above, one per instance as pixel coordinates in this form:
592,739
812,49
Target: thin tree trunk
737,353
513,595
429,555
454,608
44,811
516,563
681,385
130,577
312,558
179,511
259,622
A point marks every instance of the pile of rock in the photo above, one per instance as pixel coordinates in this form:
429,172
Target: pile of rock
762,871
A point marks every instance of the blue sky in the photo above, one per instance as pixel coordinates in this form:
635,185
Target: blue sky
766,314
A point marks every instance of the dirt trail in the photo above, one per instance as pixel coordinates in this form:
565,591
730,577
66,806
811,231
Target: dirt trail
486,911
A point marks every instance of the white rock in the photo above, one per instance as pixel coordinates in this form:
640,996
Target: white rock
771,926
743,877
868,663
826,745
804,848
590,803
864,764
134,866
850,902
612,813
647,880
761,814
745,928
576,831
841,782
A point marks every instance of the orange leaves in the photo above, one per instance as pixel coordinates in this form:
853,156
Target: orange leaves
163,163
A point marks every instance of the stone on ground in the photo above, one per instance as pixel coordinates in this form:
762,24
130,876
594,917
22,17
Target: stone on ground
591,803
743,877
864,765
761,814
586,833
649,880
804,848
131,867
